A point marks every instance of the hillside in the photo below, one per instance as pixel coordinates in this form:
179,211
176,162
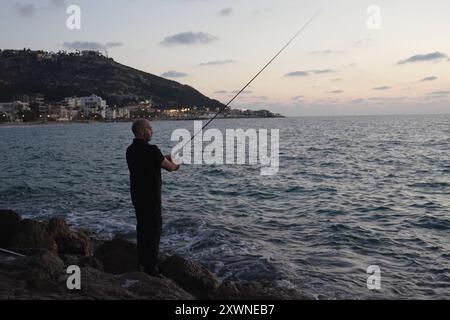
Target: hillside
61,75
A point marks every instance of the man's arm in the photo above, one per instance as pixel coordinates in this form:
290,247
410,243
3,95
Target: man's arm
168,165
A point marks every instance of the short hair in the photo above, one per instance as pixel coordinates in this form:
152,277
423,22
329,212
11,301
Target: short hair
138,125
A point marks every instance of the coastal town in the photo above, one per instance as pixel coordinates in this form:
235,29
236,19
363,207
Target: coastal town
94,108
41,92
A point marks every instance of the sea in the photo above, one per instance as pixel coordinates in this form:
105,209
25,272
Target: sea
354,198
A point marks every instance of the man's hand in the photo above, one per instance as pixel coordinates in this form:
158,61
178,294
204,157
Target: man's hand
168,164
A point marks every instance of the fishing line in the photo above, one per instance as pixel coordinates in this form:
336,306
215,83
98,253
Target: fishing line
256,76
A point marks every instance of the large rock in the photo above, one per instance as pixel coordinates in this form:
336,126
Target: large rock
191,276
263,290
9,225
118,256
33,235
43,269
152,288
68,241
92,262
43,276
101,286
228,290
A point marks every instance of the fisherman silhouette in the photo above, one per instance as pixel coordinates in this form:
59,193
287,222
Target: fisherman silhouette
144,163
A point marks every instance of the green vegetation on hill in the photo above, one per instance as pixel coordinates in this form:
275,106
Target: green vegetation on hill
62,74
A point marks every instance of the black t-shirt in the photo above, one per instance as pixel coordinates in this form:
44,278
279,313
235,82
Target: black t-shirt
144,162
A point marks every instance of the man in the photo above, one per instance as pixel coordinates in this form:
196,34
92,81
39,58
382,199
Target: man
144,163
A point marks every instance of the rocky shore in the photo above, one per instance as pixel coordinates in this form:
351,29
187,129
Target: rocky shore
109,269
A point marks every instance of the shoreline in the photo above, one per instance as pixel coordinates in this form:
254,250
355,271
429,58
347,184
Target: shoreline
108,268
43,123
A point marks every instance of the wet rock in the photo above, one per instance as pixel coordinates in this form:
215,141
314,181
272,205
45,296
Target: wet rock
191,276
33,235
68,241
44,268
42,274
263,290
9,286
9,225
153,288
92,262
228,290
99,285
118,256
70,259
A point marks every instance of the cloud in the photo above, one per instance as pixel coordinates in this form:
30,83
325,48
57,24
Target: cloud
439,93
90,45
382,88
297,74
260,97
323,71
308,72
336,91
243,92
30,9
299,97
360,100
220,92
174,74
188,38
225,12
327,52
386,99
336,80
26,10
428,79
435,56
216,63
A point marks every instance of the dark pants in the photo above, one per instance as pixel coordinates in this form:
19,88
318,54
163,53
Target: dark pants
149,227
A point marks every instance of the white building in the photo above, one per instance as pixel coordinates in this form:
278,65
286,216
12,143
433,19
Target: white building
93,105
10,109
7,111
72,102
123,113
62,113
111,113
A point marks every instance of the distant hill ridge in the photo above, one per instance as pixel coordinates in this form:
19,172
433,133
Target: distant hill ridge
63,74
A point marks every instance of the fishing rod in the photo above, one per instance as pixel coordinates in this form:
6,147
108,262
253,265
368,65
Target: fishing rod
257,75
11,253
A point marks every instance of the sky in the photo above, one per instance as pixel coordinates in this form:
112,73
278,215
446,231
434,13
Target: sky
357,57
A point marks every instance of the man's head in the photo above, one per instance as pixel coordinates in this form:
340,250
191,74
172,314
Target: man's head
142,130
